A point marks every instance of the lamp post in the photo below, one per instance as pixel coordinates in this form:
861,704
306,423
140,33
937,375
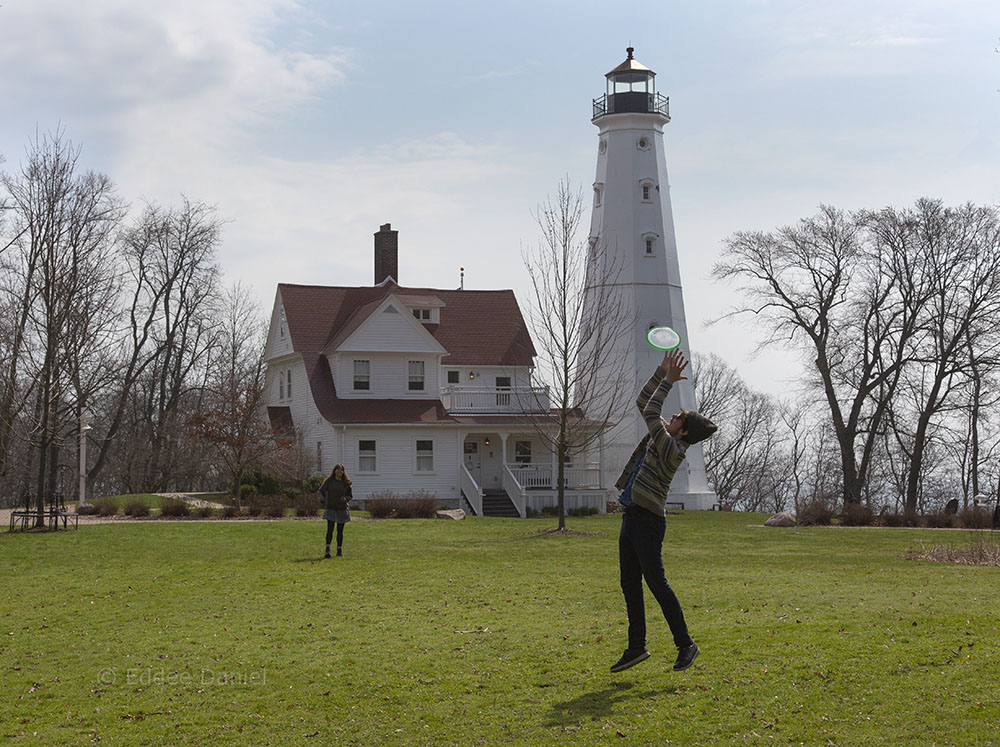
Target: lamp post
84,427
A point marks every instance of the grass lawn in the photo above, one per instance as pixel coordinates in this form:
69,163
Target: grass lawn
486,632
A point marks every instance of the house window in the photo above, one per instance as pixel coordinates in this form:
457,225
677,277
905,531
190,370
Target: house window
283,325
423,315
522,452
366,456
453,377
362,375
425,456
416,376
281,386
319,456
288,385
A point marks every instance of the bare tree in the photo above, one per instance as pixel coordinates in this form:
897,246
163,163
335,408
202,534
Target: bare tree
745,463
959,255
232,419
169,281
839,289
64,223
577,312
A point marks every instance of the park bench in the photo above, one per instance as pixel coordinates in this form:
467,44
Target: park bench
55,511
677,505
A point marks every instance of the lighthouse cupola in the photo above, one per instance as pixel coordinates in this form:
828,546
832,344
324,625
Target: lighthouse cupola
632,89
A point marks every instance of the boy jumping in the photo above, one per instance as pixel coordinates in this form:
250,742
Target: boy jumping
644,483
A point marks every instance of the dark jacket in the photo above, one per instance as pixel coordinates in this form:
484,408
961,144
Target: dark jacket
335,494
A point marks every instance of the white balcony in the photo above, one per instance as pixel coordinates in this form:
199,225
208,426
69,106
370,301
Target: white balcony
463,400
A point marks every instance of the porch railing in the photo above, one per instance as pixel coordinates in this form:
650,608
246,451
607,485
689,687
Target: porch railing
473,493
478,400
544,476
514,490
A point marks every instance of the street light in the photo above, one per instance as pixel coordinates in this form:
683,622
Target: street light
84,427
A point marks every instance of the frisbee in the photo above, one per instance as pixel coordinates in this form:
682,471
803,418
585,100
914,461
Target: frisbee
663,338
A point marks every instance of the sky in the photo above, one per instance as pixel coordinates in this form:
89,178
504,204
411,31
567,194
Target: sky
309,124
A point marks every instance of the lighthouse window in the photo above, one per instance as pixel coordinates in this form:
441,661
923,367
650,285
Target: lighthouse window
645,191
649,246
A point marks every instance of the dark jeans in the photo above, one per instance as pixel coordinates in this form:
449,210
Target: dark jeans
640,547
329,532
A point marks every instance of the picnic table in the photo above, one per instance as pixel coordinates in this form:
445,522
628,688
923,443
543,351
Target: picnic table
55,511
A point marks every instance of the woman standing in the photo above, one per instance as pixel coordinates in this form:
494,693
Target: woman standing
335,493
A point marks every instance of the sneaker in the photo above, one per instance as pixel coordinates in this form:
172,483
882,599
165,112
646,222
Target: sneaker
327,553
685,656
630,658
340,553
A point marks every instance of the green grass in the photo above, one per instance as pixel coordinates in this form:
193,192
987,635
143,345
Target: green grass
486,632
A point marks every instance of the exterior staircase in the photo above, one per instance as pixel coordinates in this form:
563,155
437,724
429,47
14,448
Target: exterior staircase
498,503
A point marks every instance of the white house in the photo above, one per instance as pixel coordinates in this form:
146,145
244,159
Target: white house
419,388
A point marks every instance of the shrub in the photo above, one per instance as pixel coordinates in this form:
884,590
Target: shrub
253,508
87,509
265,482
900,520
550,511
205,512
941,520
857,515
815,513
230,511
583,511
136,508
174,508
976,517
416,505
311,484
248,492
105,506
272,505
307,504
292,494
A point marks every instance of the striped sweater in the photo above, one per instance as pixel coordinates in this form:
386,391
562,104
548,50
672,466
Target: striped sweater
664,454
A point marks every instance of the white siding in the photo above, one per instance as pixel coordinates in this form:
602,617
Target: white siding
388,330
389,375
277,344
396,467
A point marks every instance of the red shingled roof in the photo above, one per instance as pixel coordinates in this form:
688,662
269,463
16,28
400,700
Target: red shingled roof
479,328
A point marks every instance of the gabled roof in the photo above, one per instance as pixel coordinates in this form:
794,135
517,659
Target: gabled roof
481,328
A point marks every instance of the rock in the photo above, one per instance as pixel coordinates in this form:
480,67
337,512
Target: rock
457,514
781,519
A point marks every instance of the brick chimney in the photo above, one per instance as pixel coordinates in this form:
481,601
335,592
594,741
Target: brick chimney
386,254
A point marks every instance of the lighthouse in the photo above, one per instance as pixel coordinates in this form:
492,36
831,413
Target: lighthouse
632,231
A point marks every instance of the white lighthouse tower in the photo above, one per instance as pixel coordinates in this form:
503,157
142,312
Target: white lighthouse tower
632,231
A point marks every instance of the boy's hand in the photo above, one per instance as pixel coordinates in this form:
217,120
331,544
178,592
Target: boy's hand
674,364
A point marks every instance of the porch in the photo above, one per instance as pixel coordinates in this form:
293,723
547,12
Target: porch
527,481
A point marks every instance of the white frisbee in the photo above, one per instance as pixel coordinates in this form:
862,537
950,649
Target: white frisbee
663,338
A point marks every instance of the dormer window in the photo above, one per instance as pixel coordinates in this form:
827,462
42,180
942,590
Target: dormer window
424,315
